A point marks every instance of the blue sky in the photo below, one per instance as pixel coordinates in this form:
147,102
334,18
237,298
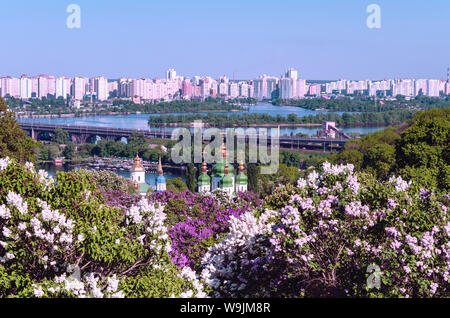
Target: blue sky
323,39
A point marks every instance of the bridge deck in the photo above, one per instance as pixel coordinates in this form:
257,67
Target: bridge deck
160,133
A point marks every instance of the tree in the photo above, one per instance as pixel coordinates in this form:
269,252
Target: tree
425,145
69,151
191,180
60,136
138,142
14,143
380,159
252,174
176,185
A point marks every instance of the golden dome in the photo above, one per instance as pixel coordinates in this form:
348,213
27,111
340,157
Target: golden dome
137,164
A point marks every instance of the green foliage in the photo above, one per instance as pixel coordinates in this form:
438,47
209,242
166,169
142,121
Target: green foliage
365,104
380,159
252,175
425,148
285,176
421,152
47,152
252,119
176,185
110,181
14,143
191,178
60,136
69,151
300,159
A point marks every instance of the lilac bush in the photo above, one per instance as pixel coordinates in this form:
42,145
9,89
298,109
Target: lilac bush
197,221
324,238
119,199
59,239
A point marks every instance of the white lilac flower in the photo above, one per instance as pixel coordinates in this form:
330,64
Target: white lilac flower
113,284
17,201
352,182
119,294
6,232
141,239
5,213
29,166
312,179
336,170
45,180
38,292
301,183
4,163
187,294
400,184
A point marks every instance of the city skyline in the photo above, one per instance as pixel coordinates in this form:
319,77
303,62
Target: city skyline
174,86
325,39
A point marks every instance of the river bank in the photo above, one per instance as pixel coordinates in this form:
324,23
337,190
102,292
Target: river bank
76,115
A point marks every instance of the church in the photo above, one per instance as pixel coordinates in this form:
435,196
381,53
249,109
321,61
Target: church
138,177
223,177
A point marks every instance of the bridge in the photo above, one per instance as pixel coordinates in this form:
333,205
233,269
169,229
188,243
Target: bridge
84,134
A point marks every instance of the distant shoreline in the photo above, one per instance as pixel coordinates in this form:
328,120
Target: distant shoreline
121,114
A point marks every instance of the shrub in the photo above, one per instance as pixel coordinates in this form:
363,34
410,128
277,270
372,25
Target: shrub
197,221
319,239
49,230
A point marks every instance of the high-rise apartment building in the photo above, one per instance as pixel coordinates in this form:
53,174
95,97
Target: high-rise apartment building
234,90
264,87
101,88
61,86
43,86
171,74
25,87
292,74
433,88
78,88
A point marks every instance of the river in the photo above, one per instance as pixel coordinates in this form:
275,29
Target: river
150,178
140,121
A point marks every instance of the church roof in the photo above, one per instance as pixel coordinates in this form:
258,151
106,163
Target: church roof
241,178
137,167
160,179
219,169
143,187
227,181
204,179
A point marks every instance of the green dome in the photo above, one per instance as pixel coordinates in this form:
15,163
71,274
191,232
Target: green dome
204,179
241,179
219,169
227,181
